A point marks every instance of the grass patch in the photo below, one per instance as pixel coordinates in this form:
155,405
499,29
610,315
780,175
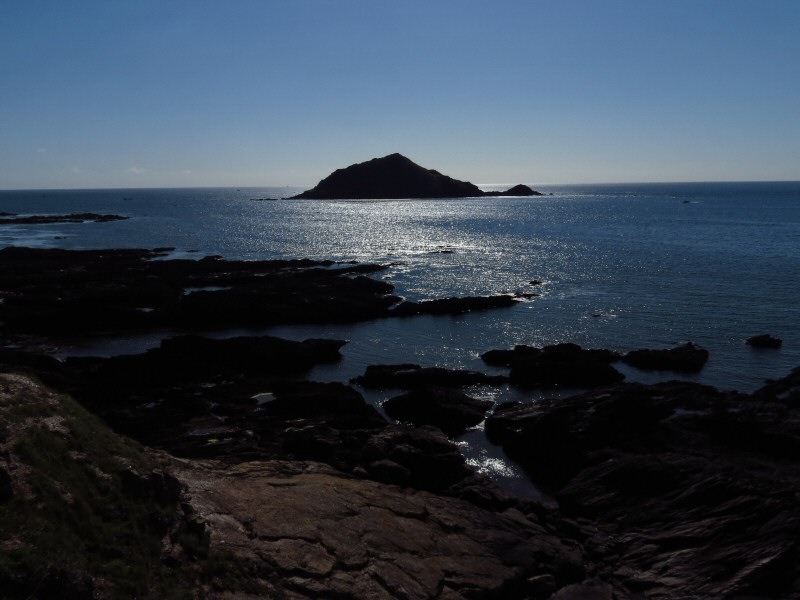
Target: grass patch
79,524
76,523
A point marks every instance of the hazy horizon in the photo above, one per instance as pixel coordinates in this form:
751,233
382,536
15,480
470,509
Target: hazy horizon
479,184
275,94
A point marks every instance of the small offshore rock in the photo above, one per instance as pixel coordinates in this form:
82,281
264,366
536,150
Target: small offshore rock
764,341
688,358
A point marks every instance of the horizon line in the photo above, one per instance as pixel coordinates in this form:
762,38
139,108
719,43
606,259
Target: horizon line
229,187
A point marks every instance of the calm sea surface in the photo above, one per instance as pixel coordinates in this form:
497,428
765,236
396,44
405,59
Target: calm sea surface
622,266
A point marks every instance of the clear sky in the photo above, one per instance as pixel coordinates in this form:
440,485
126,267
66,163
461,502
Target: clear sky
132,93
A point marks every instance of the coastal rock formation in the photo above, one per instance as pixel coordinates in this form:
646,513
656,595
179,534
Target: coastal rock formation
394,177
569,365
90,514
86,292
78,501
236,399
91,292
453,306
559,365
691,490
688,358
12,219
450,410
409,376
367,540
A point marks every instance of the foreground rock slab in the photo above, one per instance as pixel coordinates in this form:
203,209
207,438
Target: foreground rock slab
310,531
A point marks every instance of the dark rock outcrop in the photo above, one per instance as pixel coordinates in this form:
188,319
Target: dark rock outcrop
394,177
453,306
688,358
450,410
86,523
236,399
691,490
85,292
764,341
560,365
410,376
11,219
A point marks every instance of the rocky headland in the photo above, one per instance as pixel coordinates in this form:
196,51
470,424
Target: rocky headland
395,177
12,219
212,468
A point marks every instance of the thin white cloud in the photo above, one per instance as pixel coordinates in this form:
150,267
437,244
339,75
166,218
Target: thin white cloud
136,170
76,170
41,150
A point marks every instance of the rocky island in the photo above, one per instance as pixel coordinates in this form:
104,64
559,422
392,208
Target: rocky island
395,177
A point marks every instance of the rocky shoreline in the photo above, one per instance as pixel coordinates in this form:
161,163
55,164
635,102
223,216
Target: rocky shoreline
673,490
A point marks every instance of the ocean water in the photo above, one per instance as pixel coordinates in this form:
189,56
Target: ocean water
621,266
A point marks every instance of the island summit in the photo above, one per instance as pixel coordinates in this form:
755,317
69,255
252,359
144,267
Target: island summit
394,177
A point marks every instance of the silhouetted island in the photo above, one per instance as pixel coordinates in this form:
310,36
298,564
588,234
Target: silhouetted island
394,177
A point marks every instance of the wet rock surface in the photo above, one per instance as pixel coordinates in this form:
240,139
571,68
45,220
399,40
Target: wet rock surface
450,410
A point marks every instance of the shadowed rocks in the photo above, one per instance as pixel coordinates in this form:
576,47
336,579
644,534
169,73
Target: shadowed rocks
96,291
560,365
91,292
688,358
452,306
693,490
570,366
450,410
410,376
237,399
11,219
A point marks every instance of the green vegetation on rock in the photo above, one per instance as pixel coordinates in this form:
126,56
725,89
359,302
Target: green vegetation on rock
86,513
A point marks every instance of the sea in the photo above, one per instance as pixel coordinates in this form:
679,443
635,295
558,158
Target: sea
621,266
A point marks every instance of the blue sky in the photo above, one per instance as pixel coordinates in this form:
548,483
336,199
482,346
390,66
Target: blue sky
119,93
